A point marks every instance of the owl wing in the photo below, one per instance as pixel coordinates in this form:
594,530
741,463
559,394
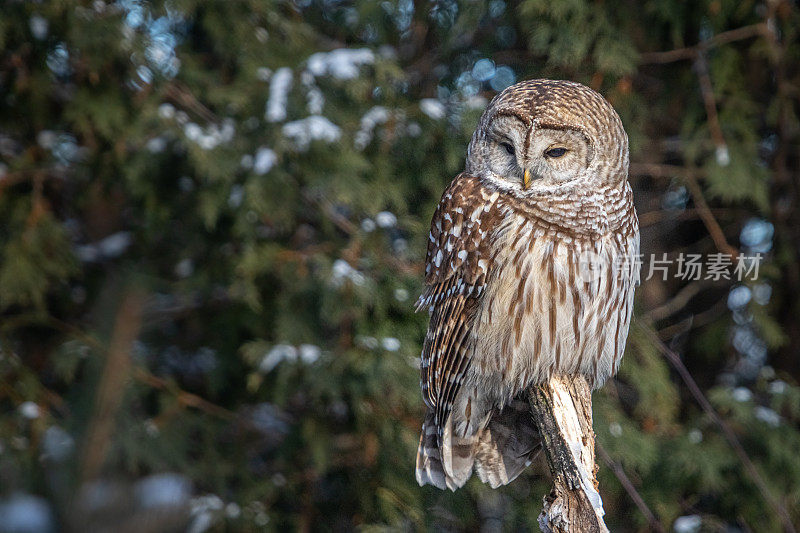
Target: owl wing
458,263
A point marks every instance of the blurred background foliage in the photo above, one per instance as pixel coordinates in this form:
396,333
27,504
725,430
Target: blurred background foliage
214,222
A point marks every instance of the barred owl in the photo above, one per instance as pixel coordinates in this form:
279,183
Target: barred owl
530,273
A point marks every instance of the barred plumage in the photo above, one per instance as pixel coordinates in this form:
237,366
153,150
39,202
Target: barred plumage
531,269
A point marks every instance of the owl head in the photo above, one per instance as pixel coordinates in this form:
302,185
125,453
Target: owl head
542,135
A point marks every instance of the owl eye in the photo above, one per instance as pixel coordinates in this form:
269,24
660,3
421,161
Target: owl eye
555,152
508,147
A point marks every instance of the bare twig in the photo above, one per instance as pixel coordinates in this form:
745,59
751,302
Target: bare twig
626,483
184,398
678,302
657,170
328,209
709,100
562,409
710,103
750,468
116,373
182,95
349,228
696,320
669,56
689,176
651,218
139,373
16,177
713,227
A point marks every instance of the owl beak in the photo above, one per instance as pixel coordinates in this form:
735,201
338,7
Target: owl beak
526,179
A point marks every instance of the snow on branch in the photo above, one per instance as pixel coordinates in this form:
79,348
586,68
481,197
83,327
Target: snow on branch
562,408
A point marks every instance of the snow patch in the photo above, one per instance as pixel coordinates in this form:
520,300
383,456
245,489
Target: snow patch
212,136
687,524
57,444
263,73
264,160
184,268
386,219
768,416
723,156
309,353
313,128
777,387
38,26
390,344
163,490
25,512
203,510
586,480
112,246
342,272
742,394
305,353
30,410
166,111
432,107
368,225
236,196
695,436
476,102
156,145
278,95
278,354
370,343
414,129
342,64
315,100
373,117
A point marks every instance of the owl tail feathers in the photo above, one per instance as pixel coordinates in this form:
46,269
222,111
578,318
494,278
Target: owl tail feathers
448,466
507,445
498,453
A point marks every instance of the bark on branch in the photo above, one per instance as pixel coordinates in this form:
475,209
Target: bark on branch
562,408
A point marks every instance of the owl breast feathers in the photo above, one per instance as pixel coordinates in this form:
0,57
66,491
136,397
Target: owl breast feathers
531,270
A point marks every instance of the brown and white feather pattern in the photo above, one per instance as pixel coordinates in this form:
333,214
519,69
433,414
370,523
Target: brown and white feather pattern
510,306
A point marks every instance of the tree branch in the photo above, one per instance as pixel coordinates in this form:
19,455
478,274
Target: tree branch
678,302
710,103
690,52
562,409
627,484
750,469
113,381
713,227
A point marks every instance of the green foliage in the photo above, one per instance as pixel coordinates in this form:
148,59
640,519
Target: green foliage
36,258
145,149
